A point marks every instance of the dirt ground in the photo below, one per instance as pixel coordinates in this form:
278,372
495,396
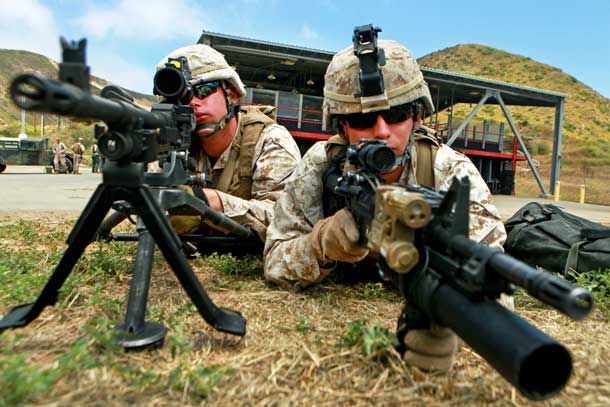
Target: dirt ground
290,355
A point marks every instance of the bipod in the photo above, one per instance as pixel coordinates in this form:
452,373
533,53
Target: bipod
124,182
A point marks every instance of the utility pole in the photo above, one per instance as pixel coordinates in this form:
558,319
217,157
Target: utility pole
22,134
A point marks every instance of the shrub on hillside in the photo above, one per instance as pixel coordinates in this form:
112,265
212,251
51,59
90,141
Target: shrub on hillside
543,147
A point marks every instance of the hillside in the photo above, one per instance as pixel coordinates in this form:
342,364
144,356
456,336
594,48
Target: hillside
586,131
14,62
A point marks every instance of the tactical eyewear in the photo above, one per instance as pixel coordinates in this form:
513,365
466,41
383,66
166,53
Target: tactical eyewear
205,89
395,114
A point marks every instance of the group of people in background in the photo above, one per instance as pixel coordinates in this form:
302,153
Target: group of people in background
60,150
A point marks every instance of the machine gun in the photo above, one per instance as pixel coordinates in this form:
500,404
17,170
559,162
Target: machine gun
132,138
422,237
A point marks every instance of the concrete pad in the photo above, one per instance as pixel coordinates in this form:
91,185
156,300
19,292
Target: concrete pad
508,205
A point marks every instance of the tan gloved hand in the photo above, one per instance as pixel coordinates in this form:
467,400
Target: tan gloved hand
336,238
431,349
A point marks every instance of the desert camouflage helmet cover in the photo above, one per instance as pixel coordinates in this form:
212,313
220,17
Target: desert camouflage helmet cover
207,65
402,79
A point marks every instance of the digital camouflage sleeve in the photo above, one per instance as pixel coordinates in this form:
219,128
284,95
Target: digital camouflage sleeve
275,157
289,257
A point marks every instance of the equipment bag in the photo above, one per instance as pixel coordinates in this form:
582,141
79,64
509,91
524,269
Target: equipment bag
546,236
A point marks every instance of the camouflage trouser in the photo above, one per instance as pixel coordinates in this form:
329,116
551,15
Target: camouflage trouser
59,160
95,163
76,163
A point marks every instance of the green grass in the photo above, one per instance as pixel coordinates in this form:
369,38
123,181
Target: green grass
374,341
598,282
246,266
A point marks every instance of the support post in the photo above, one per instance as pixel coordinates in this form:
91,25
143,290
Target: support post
460,129
521,143
556,158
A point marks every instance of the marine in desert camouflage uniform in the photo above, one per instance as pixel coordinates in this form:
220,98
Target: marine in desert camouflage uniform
78,149
304,245
243,157
59,156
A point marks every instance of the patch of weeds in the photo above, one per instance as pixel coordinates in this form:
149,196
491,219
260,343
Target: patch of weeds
111,259
181,313
158,314
328,297
101,333
22,230
598,282
141,379
20,383
23,274
374,341
178,342
247,266
200,381
304,326
373,291
78,357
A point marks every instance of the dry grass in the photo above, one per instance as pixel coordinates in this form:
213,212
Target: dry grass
595,179
288,357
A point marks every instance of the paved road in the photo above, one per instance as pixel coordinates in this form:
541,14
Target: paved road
27,188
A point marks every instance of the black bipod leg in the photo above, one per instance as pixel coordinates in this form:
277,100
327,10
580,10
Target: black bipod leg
222,319
79,238
136,333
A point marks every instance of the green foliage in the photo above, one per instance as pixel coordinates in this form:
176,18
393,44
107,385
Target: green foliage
532,147
569,126
304,326
178,342
247,266
598,282
200,381
20,383
543,147
372,291
22,272
78,357
374,341
591,151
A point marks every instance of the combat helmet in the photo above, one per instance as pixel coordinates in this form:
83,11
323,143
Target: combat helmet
208,65
399,79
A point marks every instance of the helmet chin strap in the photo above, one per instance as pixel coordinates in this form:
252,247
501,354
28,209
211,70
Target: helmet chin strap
215,126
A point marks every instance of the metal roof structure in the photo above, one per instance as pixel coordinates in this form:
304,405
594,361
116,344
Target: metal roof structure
278,66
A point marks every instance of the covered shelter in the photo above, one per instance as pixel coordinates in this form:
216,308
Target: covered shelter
292,79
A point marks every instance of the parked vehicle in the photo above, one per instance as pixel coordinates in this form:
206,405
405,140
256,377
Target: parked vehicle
28,151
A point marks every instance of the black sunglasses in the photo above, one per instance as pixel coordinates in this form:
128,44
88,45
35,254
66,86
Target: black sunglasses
205,89
393,115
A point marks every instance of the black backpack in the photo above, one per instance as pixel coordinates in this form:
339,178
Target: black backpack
546,236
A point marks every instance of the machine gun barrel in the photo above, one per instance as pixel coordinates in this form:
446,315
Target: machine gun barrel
37,93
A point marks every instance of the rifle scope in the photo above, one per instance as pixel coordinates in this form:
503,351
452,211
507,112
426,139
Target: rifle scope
372,155
172,84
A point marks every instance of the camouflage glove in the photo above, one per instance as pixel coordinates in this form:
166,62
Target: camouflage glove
431,349
336,239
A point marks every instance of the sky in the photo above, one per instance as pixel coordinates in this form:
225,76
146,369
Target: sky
126,39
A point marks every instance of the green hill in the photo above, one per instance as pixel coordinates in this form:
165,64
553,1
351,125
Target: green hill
13,63
586,130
